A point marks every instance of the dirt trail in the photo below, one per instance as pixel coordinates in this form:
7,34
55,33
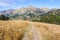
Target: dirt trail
32,33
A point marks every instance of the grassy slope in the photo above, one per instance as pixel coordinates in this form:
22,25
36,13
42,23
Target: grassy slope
14,30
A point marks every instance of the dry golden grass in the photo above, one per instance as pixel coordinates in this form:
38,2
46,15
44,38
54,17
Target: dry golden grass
12,30
48,31
15,29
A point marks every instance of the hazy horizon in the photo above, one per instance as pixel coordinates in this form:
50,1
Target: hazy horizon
14,4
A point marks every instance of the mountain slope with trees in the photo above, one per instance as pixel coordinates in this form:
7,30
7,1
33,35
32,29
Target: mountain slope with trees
33,14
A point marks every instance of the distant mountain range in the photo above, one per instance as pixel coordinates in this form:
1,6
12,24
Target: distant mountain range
29,12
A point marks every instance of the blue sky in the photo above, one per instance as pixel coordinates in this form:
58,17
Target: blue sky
14,4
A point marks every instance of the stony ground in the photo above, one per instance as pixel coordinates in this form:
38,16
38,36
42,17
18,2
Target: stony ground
25,30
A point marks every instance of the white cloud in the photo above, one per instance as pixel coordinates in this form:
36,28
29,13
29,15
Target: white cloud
4,4
10,2
7,3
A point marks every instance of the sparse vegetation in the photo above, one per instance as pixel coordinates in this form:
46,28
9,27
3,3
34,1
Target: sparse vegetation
3,17
53,19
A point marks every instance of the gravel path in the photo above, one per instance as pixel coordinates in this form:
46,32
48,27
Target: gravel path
32,33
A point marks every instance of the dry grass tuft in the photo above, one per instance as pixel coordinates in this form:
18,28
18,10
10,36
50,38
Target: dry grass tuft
15,29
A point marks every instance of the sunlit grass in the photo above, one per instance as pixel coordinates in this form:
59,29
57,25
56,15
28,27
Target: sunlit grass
15,30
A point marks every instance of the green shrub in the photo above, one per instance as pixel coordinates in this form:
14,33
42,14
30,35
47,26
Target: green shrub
2,17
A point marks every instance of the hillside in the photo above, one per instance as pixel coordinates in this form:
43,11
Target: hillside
31,13
24,13
25,30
